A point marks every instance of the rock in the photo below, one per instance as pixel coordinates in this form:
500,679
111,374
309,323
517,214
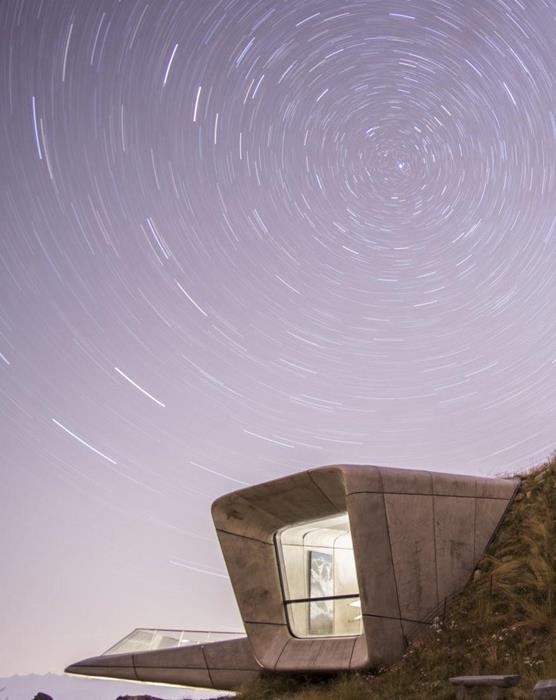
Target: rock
42,696
136,697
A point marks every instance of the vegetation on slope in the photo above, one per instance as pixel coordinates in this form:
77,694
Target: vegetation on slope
503,622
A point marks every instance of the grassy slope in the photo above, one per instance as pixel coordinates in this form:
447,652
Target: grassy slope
503,622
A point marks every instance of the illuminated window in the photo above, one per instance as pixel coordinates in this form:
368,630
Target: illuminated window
319,580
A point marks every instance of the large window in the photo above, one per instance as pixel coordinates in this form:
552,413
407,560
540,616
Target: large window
319,579
151,639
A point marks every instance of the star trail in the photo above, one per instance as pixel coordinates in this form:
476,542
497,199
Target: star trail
244,237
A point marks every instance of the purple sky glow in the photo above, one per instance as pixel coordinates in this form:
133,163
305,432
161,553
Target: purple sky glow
244,237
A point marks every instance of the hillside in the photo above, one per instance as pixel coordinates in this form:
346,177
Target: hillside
503,622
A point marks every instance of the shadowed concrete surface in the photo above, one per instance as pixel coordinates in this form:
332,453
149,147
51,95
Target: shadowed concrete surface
416,537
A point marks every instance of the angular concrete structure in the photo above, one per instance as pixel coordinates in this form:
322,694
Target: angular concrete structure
333,569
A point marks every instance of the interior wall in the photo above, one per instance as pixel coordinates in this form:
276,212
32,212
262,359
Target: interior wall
295,544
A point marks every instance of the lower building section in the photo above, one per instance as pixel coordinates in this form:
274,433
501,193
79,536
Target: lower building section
223,665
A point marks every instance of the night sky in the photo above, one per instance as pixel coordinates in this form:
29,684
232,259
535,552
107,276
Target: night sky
246,237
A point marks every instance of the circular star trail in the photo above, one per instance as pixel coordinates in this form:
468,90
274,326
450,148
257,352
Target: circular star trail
242,238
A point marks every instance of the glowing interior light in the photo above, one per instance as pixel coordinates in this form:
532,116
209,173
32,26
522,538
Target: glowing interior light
319,578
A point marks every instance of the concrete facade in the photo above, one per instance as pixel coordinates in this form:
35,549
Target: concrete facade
417,537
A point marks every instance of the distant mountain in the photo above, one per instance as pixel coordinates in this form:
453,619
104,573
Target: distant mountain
74,688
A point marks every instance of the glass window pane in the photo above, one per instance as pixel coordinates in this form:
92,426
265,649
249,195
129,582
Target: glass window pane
316,561
151,639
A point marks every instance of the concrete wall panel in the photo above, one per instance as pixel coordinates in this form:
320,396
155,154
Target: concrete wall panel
453,485
179,676
488,514
299,653
362,479
254,575
411,527
267,642
373,556
235,653
406,481
120,672
112,666
385,640
454,533
292,499
360,655
496,488
229,679
335,653
235,514
121,660
330,481
316,655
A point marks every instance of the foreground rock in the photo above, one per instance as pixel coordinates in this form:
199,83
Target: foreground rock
137,697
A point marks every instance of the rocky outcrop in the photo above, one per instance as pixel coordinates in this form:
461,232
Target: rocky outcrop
136,697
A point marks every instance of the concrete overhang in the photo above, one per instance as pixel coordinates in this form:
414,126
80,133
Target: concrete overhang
222,665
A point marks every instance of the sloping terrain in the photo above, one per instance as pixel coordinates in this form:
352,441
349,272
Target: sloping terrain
503,622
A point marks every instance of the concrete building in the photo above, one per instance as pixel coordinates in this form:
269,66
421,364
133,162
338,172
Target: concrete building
333,569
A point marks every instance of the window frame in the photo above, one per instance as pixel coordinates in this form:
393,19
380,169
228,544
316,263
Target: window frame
286,601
